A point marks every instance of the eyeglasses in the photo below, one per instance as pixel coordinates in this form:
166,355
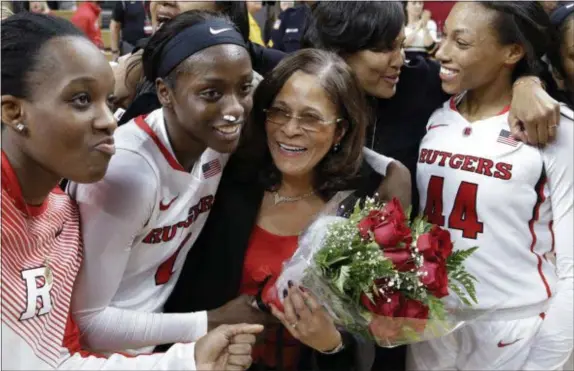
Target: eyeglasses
306,122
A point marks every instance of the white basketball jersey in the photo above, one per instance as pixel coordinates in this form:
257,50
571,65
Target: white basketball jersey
491,191
179,206
183,203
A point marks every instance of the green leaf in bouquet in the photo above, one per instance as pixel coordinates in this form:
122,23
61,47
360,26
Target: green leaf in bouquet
408,212
370,294
458,276
419,227
342,278
458,257
436,308
334,260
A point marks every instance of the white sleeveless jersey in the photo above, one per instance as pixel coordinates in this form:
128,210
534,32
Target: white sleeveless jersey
502,195
140,222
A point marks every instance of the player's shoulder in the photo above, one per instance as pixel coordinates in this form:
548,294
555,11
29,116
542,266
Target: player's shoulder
139,129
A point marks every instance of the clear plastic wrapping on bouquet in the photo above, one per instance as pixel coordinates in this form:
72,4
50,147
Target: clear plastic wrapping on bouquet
348,313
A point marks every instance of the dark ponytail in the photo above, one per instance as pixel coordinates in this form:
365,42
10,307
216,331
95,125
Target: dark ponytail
22,37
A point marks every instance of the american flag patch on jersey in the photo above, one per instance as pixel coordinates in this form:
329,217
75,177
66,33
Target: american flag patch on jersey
505,138
212,168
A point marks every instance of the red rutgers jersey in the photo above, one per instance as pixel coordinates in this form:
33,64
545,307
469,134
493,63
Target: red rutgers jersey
138,225
41,257
512,200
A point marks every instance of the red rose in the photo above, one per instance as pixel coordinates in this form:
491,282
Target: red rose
435,278
391,212
390,234
401,258
435,245
394,211
428,246
444,241
411,308
368,223
383,305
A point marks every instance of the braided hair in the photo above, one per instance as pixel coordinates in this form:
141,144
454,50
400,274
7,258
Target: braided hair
22,37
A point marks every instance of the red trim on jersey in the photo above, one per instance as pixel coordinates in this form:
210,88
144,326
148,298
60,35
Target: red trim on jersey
11,185
539,188
140,121
551,228
452,104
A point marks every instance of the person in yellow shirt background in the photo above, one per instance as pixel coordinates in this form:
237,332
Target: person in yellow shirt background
254,29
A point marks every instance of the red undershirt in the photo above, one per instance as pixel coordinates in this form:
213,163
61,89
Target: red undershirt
265,256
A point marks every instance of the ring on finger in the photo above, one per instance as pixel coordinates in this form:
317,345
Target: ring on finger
293,325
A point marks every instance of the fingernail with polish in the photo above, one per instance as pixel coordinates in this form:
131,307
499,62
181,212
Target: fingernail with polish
285,293
290,283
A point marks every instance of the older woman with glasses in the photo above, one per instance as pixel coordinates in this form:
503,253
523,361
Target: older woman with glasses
301,154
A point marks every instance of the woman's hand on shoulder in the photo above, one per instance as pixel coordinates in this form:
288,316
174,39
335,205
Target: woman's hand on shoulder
534,114
397,183
308,321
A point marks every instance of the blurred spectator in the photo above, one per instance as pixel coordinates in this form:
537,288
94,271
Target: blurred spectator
288,29
420,31
39,7
6,10
87,19
549,5
67,5
439,11
286,5
254,29
128,23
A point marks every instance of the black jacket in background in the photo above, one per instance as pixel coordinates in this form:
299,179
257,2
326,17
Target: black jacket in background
212,272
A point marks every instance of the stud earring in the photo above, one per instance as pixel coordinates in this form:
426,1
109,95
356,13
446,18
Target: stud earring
336,147
20,127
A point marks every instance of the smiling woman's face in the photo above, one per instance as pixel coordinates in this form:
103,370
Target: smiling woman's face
295,149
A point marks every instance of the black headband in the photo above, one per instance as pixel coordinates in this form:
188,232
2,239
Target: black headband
195,38
559,15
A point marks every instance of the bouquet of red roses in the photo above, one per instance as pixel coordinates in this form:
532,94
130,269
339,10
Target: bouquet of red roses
380,275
